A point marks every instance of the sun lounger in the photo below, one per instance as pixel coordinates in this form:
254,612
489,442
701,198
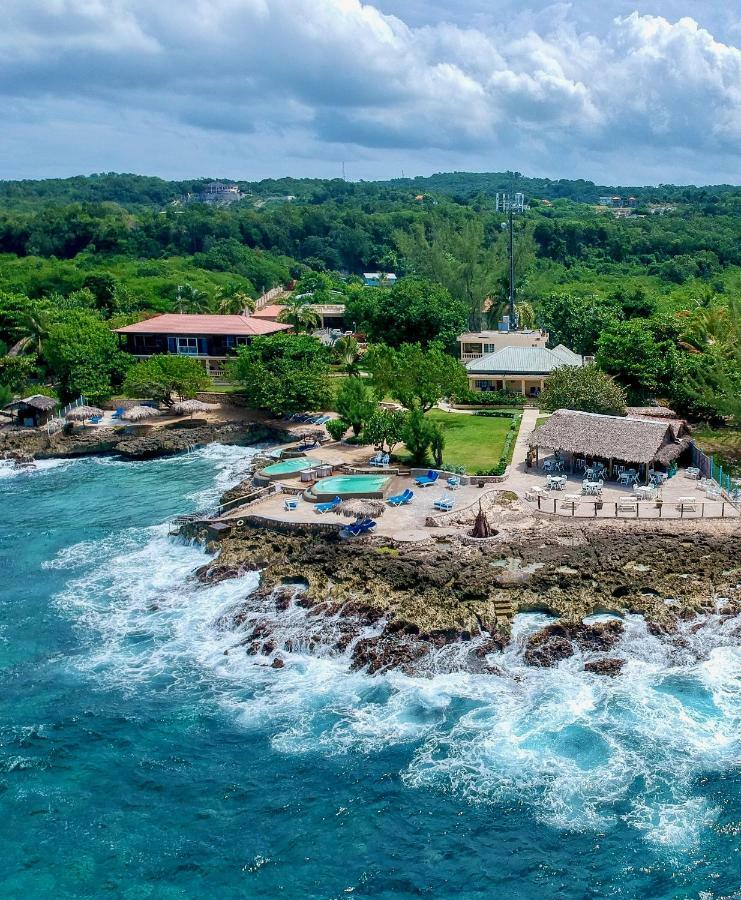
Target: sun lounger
363,526
95,420
426,480
444,504
628,504
118,413
401,499
290,503
328,506
454,482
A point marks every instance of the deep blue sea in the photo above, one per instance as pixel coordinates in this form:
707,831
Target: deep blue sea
139,761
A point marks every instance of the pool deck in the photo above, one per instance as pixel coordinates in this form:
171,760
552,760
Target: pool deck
413,521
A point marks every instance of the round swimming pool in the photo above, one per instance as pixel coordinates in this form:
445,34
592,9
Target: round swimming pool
288,467
347,486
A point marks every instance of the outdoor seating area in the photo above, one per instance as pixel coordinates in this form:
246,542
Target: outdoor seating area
380,459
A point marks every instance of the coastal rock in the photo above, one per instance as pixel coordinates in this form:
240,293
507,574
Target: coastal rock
610,667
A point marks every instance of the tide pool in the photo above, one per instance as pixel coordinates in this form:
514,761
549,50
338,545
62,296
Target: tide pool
138,760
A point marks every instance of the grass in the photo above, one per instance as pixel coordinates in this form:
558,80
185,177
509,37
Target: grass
475,442
723,443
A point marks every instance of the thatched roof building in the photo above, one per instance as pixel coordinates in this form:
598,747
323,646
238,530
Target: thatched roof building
32,411
627,439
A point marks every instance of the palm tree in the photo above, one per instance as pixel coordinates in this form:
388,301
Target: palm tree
347,352
234,302
34,326
191,299
299,313
524,311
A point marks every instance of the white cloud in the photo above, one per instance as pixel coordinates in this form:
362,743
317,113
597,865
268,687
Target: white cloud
307,75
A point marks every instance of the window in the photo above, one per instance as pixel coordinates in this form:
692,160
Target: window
489,348
188,345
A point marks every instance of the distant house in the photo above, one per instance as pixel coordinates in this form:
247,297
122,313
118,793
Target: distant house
379,279
30,412
521,370
209,338
475,344
614,439
331,315
219,192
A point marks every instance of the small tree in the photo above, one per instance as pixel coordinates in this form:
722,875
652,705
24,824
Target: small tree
418,435
346,351
356,403
166,378
385,429
583,388
337,428
299,313
437,444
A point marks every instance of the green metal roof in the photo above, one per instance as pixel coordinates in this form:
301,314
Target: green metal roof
524,361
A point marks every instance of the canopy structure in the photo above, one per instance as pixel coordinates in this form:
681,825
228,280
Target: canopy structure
80,413
188,407
627,439
140,413
361,507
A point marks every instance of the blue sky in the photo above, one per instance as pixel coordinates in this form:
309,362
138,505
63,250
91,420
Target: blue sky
614,92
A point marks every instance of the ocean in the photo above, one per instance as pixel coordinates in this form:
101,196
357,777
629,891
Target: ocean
138,760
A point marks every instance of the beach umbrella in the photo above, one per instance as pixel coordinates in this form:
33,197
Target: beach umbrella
365,508
188,407
80,413
140,413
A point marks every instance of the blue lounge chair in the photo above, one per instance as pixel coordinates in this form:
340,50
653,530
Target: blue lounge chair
425,480
290,503
444,504
119,412
329,506
362,526
401,499
95,420
454,482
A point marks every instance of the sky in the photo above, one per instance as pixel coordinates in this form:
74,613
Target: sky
611,91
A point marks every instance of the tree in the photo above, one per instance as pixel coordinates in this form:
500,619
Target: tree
189,299
414,310
577,321
298,312
167,378
584,388
437,444
414,376
232,301
630,352
284,373
15,371
418,435
83,355
103,286
356,402
346,351
385,429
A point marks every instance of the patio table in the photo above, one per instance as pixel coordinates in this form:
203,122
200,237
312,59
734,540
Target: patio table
556,482
626,478
644,493
592,487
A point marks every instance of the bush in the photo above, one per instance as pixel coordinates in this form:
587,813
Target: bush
337,428
495,413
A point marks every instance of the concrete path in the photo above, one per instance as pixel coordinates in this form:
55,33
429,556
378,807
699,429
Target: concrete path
529,418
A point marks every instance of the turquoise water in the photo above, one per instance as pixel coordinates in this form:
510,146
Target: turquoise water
286,466
350,484
138,761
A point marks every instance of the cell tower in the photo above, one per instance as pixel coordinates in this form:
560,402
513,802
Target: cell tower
511,202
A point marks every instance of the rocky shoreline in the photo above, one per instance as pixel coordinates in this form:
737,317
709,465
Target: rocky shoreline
394,606
147,444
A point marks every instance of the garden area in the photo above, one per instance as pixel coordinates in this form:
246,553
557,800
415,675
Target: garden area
474,442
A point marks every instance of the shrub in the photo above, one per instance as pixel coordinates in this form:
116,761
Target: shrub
337,428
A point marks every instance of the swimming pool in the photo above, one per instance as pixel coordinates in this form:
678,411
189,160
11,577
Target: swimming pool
288,467
351,486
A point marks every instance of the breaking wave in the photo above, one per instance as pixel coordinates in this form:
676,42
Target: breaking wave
582,750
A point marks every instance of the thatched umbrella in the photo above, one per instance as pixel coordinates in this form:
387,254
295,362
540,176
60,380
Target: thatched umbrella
80,413
188,407
481,527
361,507
140,413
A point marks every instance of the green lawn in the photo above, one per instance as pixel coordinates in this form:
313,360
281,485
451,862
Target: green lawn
723,443
475,442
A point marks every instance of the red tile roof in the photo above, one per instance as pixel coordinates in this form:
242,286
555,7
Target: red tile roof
181,324
268,312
